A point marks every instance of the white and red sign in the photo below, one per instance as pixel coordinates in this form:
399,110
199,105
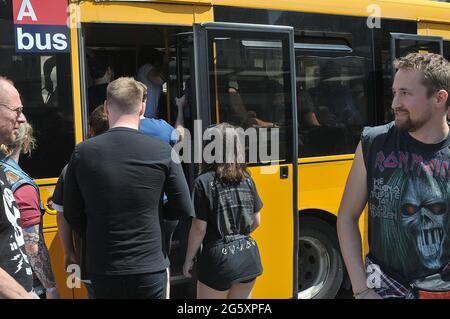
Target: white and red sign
41,26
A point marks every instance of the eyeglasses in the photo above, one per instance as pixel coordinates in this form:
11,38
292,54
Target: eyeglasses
18,109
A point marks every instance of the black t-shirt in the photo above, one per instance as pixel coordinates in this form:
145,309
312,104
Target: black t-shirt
409,201
112,191
58,192
13,259
79,242
227,209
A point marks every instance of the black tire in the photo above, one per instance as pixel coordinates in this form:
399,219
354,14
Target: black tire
320,265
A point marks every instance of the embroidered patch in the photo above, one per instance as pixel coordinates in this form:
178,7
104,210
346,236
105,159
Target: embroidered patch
12,178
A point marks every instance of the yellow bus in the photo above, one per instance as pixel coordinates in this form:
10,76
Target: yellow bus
315,72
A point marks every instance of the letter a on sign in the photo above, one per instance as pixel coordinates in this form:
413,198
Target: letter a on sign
40,12
26,10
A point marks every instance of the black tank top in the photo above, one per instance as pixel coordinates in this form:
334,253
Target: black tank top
408,198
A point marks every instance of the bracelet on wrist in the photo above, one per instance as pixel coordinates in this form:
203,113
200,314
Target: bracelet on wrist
362,292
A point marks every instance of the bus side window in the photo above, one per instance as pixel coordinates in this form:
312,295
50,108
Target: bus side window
332,107
254,95
45,84
52,118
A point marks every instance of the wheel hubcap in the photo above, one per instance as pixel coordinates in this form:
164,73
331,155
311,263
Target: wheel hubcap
313,267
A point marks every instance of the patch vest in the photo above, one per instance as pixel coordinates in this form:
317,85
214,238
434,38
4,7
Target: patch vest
17,177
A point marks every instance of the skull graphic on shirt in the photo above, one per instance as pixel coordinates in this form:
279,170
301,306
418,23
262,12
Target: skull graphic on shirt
424,216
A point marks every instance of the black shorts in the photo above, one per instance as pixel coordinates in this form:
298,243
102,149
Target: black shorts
223,263
139,286
223,287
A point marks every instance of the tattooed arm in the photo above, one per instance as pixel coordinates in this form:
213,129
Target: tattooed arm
39,259
28,201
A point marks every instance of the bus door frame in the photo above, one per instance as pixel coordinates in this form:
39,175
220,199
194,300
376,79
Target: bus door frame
180,39
203,110
83,81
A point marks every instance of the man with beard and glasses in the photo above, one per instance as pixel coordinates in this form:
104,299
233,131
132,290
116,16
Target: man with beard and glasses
401,170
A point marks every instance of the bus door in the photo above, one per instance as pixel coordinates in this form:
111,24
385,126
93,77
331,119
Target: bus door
402,44
181,86
245,75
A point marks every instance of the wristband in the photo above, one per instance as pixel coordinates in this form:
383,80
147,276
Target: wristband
362,292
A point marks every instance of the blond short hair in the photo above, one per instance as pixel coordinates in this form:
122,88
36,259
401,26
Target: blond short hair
25,141
435,70
125,95
144,92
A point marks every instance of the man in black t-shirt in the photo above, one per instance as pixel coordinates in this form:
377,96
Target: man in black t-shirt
401,171
112,194
15,270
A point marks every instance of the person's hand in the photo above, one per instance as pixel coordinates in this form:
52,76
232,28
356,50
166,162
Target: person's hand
52,293
181,102
369,294
265,124
187,268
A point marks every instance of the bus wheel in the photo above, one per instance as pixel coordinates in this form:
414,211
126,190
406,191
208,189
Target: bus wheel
320,265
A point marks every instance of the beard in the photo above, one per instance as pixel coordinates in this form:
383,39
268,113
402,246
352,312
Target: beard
407,124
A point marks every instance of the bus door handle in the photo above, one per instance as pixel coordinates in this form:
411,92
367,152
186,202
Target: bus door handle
284,172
